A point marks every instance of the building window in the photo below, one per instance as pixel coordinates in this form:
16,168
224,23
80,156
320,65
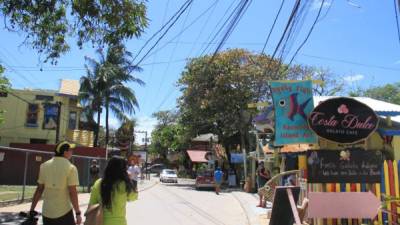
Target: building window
44,98
32,115
37,141
50,116
72,121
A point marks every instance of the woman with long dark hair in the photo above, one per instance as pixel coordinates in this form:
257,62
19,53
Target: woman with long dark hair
113,191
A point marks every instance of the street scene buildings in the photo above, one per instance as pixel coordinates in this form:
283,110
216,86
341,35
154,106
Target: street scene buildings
200,112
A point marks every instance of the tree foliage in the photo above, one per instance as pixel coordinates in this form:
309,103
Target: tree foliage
48,24
215,94
389,93
104,86
168,135
4,87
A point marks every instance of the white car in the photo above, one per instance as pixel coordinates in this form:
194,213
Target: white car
168,175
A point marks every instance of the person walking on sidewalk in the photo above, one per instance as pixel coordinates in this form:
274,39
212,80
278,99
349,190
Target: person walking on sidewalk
113,191
94,172
57,182
218,174
133,172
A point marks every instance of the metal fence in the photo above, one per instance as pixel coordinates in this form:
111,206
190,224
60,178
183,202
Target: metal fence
19,170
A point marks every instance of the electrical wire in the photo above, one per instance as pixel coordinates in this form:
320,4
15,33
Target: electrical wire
309,33
396,9
165,32
170,58
238,16
162,27
187,27
272,27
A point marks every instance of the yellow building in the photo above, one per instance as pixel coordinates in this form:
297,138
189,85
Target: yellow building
31,116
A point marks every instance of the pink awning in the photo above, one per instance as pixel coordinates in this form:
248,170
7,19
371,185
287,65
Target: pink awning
197,155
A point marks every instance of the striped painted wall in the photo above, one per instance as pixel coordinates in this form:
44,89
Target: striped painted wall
389,186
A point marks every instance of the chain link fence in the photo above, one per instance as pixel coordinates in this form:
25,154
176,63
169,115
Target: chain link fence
19,171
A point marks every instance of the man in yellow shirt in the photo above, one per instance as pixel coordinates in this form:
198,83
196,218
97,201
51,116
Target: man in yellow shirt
57,181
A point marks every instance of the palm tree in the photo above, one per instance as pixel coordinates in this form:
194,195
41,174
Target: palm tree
90,93
119,98
104,85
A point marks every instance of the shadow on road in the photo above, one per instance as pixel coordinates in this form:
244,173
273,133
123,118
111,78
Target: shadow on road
11,218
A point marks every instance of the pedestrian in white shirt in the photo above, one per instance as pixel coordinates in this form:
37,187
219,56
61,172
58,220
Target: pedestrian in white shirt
133,172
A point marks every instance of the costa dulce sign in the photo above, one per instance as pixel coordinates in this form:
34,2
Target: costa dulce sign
343,120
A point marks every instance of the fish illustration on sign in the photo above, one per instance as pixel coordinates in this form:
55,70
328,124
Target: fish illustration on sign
264,122
296,108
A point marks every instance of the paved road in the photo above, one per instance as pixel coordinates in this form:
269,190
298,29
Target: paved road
182,204
175,204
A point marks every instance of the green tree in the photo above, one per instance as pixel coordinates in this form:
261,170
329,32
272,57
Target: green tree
49,24
4,87
168,135
331,84
125,133
215,95
105,85
389,93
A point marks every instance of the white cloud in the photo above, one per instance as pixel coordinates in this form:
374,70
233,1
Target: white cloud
397,62
354,78
317,4
144,123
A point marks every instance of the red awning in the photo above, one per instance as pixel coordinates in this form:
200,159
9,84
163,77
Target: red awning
197,155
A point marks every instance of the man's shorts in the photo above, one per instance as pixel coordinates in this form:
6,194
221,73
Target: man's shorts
67,219
134,184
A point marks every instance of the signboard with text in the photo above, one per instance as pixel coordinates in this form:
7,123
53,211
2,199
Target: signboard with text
343,120
344,166
293,102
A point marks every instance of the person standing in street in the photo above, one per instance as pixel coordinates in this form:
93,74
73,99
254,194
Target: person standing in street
57,182
218,175
263,176
113,191
133,172
94,172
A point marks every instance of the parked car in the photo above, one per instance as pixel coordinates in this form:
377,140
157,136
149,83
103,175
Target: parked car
205,179
156,168
168,175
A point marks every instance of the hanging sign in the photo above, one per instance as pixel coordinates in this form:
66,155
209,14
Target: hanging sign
344,166
293,102
343,120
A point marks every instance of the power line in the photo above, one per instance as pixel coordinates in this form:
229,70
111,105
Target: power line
272,27
309,33
396,8
162,27
154,58
171,55
166,31
187,27
350,62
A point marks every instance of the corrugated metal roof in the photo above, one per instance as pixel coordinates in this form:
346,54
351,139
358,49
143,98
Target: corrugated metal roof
69,87
380,107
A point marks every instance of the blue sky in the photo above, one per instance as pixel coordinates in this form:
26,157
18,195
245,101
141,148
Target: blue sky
361,33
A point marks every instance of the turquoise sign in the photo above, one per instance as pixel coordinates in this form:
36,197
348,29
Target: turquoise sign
293,103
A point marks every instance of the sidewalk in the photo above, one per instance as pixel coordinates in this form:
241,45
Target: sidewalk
10,213
248,201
